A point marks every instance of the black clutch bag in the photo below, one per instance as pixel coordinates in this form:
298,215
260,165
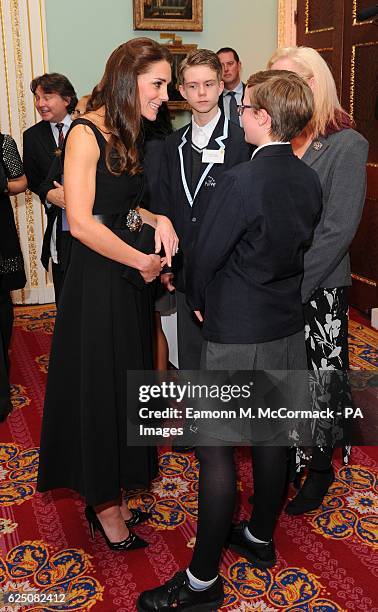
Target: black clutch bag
144,241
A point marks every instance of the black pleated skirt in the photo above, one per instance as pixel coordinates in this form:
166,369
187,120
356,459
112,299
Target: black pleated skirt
104,327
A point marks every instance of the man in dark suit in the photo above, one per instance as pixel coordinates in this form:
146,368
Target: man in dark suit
195,158
244,276
55,99
234,88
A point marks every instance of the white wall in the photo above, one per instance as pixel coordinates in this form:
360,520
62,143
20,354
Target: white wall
79,44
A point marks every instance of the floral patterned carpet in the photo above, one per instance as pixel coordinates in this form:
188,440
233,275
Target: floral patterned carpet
327,559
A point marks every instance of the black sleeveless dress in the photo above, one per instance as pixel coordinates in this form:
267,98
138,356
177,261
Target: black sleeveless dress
104,327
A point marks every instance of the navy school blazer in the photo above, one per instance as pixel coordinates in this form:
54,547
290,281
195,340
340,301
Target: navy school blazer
174,198
244,271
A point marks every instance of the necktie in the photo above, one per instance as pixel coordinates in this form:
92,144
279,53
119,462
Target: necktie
59,127
234,117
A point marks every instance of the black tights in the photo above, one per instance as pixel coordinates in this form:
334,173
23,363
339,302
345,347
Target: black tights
216,500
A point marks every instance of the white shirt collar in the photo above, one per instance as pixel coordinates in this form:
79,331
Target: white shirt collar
268,144
66,126
202,134
238,89
66,121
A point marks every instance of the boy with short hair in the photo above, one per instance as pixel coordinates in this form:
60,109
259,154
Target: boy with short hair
244,277
196,156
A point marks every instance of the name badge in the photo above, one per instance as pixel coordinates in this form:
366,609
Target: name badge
213,156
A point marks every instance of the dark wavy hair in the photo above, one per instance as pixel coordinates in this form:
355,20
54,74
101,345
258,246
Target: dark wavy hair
56,83
159,129
118,93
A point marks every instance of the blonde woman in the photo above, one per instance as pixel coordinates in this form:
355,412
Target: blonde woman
338,154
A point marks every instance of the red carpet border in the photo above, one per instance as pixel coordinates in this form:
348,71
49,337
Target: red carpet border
327,559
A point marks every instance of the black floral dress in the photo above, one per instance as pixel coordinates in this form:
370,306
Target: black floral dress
326,329
326,335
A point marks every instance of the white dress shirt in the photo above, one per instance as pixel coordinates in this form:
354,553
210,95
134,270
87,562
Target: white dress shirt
202,134
238,97
66,126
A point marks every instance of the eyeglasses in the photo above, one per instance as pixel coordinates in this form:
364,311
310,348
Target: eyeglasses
77,113
242,107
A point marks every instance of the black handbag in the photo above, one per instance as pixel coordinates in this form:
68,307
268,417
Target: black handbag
144,241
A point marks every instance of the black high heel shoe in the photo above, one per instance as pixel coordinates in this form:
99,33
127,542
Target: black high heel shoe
311,495
6,412
137,517
131,543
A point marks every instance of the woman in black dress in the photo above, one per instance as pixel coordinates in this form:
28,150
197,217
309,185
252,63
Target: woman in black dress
104,326
12,275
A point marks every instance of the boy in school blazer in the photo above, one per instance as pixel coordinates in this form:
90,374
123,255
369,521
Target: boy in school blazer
244,276
194,160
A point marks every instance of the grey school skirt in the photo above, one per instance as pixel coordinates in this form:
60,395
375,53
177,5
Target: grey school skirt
278,372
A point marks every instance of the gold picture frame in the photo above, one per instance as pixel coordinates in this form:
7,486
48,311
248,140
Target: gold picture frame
168,15
176,101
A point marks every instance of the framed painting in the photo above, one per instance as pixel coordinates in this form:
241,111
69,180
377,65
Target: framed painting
176,101
168,15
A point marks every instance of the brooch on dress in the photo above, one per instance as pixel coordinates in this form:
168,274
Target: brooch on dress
317,145
133,220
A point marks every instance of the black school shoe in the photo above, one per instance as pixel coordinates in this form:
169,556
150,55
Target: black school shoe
261,555
177,595
312,493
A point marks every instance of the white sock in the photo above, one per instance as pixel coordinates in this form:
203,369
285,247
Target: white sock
199,585
252,538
